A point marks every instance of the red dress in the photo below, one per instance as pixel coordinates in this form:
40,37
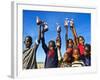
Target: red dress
81,48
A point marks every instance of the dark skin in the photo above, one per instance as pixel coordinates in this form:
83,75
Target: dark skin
51,44
72,26
51,59
70,43
66,58
28,42
76,54
81,40
28,39
87,51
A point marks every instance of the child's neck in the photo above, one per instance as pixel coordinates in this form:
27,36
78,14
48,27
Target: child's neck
81,43
76,59
27,47
67,62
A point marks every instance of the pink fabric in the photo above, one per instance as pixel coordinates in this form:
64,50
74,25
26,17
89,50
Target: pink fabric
81,48
51,53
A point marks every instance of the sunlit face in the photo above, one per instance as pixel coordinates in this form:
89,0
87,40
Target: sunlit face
28,42
75,54
69,50
51,45
70,43
81,40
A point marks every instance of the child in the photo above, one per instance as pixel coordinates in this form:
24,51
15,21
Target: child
29,54
81,45
51,60
66,61
76,58
87,55
70,46
69,50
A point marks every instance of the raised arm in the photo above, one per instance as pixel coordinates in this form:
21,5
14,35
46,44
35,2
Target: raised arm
44,46
37,42
44,26
58,42
66,35
74,33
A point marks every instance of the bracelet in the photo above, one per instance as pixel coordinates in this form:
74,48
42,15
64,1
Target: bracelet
37,42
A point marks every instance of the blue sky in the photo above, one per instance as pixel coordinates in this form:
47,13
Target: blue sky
82,24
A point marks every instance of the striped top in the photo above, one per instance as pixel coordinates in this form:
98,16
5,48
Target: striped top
78,63
29,57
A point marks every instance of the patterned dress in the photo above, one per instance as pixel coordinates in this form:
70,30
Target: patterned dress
29,57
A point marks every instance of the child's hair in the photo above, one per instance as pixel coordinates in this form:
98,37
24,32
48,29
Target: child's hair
88,46
70,40
81,37
30,38
52,41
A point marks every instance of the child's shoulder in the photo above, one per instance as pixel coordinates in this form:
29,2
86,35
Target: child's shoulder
80,62
27,49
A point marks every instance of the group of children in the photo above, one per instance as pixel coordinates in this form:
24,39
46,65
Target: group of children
74,56
77,56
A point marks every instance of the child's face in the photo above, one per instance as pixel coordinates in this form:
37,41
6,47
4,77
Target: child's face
81,41
70,43
75,54
86,52
69,50
28,42
51,46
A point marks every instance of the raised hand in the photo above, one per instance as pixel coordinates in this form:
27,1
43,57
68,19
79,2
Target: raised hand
71,23
72,26
38,21
66,27
58,39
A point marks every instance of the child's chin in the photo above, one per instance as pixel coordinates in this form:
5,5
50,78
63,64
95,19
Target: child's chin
27,46
51,49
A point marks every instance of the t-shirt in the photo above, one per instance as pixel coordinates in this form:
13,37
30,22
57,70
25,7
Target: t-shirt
78,63
81,48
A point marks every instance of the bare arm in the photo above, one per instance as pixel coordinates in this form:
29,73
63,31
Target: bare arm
37,42
74,32
58,44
